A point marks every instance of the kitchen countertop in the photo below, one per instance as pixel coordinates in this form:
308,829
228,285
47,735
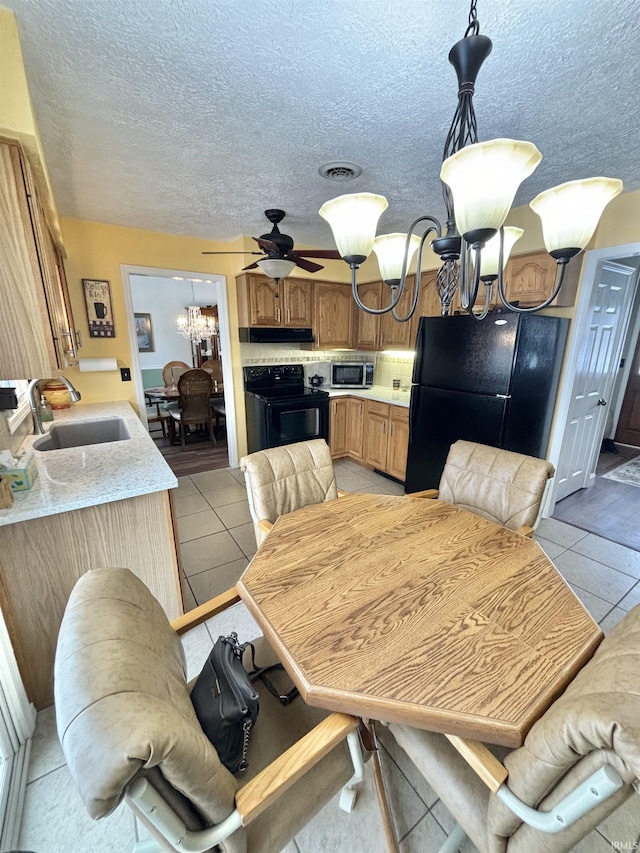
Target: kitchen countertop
380,393
76,477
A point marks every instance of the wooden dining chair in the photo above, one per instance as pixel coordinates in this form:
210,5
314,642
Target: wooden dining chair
497,484
129,731
214,367
194,404
172,371
580,761
282,479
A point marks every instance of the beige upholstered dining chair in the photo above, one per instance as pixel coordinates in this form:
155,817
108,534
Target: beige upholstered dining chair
579,762
283,479
194,404
128,731
497,484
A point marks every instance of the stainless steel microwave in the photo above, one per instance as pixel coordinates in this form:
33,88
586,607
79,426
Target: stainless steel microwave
351,374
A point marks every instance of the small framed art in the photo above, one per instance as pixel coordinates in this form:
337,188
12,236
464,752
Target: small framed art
97,297
144,332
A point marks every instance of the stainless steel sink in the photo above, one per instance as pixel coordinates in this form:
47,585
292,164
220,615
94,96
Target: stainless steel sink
100,431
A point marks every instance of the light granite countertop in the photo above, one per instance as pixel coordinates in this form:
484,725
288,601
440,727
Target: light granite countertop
77,477
380,393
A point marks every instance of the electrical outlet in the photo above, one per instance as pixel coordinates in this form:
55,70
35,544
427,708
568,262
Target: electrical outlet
125,373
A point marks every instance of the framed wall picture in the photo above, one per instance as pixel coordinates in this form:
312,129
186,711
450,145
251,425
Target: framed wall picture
144,332
97,297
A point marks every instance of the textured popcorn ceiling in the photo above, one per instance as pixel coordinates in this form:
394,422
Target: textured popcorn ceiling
193,116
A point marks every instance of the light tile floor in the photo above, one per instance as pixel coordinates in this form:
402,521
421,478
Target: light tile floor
217,542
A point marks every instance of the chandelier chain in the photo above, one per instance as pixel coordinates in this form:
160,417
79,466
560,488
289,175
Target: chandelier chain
474,24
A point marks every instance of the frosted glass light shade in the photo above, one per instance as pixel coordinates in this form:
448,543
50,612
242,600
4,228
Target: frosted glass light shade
389,249
353,219
490,255
276,267
484,179
570,212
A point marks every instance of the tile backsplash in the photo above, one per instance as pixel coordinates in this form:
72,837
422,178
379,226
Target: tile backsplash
388,366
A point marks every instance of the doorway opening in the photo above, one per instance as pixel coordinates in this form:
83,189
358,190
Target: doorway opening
154,298
600,411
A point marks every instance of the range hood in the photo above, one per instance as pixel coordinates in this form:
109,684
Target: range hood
275,336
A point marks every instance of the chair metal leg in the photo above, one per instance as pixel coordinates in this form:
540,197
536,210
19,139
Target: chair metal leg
349,792
453,842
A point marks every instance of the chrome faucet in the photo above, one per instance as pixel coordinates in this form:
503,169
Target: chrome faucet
35,412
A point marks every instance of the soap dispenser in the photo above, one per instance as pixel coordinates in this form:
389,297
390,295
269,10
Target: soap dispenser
46,412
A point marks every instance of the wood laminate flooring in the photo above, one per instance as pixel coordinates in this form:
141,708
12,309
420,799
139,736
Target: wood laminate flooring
200,454
608,508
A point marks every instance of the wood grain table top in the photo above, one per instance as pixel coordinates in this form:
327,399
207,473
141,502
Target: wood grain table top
416,611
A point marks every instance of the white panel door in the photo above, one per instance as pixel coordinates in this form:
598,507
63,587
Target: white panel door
598,361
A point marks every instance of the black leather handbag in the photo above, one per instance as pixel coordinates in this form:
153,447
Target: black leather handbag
226,702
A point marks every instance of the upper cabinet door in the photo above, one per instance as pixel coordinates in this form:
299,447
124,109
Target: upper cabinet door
530,278
333,315
32,324
367,326
265,307
395,335
298,303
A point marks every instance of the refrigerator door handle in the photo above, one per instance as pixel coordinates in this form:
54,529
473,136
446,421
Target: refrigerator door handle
503,396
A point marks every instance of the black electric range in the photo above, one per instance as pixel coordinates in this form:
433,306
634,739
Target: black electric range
280,409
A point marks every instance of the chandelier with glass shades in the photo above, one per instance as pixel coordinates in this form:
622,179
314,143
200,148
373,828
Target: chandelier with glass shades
193,325
480,181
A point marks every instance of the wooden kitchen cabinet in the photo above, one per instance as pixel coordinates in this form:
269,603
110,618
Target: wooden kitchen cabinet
355,428
333,315
265,302
386,437
398,447
42,558
531,278
37,338
382,331
338,427
376,429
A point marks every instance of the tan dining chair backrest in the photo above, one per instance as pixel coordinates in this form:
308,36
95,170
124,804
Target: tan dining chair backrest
123,711
595,723
194,390
282,479
499,485
172,371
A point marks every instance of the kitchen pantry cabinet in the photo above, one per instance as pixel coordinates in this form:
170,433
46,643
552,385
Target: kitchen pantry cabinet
265,302
37,338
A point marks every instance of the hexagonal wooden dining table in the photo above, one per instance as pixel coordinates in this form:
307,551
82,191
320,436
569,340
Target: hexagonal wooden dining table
416,611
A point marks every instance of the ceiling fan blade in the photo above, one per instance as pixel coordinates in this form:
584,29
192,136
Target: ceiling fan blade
266,245
231,253
329,254
309,266
251,266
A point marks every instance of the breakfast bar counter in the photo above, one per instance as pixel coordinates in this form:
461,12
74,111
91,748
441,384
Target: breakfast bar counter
91,506
75,477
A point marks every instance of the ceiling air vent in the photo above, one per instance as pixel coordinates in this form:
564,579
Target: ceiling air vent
340,171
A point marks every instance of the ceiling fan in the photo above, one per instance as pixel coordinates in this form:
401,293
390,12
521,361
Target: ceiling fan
279,255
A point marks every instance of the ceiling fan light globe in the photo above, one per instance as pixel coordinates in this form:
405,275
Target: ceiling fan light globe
389,249
353,219
484,179
571,211
490,255
276,267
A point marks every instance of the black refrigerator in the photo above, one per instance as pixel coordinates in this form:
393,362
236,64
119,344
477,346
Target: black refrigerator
493,381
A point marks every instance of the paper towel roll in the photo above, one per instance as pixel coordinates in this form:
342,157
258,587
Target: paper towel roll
97,365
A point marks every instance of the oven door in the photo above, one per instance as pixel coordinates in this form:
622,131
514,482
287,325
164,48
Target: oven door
303,419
